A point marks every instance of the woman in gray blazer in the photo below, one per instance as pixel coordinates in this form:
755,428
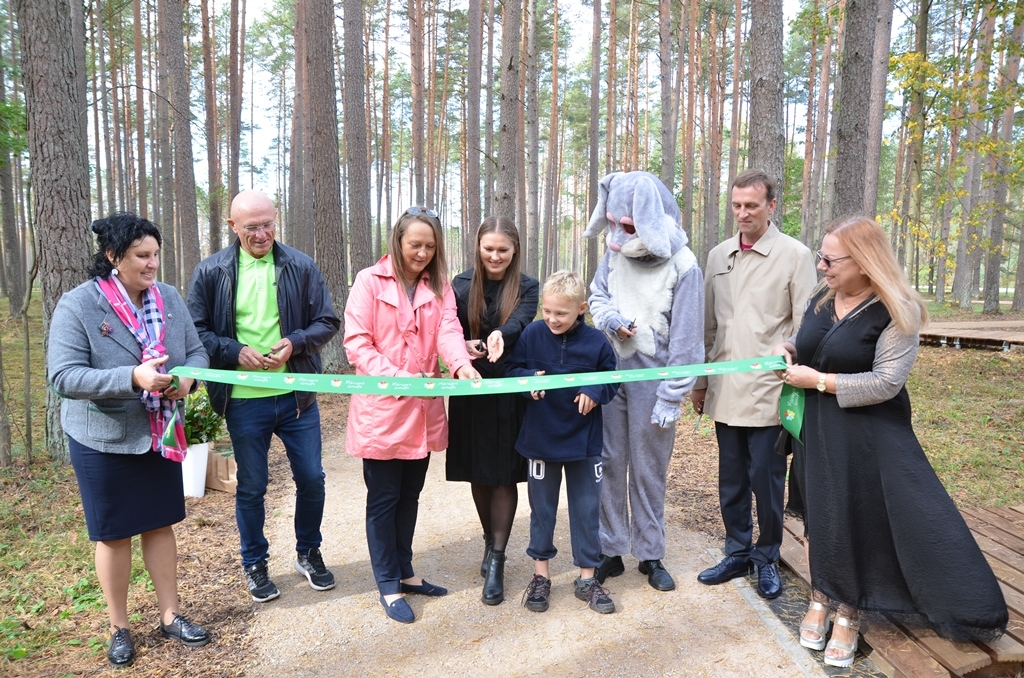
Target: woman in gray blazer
112,340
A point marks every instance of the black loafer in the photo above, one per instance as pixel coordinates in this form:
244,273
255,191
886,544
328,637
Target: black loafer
185,632
424,589
122,649
730,568
610,566
657,576
769,583
399,610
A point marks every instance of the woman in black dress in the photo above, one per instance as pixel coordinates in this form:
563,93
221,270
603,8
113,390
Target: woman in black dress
495,302
883,534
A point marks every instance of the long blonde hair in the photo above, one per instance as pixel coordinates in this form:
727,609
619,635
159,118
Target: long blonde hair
866,242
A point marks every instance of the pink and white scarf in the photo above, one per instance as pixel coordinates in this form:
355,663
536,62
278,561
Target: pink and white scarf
150,335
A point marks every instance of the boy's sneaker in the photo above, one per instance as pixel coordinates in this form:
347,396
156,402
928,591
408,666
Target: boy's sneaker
260,587
311,566
535,598
595,595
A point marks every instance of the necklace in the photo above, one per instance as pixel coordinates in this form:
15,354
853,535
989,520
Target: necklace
846,296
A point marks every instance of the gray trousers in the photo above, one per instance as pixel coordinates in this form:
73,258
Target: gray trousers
635,455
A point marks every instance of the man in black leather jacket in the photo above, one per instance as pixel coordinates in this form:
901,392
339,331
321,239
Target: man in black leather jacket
262,306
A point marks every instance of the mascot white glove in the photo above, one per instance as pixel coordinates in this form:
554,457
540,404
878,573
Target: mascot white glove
665,413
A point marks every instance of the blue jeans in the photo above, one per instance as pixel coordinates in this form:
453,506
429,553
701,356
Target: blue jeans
251,422
393,489
583,492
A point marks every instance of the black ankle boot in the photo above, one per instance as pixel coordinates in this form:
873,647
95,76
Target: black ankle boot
488,547
494,584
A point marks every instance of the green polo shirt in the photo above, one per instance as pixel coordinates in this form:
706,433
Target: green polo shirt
257,321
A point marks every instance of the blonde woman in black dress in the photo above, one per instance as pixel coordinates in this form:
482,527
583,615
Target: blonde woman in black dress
883,535
495,302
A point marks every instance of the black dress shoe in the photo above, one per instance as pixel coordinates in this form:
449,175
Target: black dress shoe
424,589
769,584
730,568
122,649
657,576
610,566
185,632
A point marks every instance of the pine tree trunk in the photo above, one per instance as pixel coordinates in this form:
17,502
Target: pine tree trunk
509,156
851,137
60,164
876,115
594,245
325,174
766,129
531,122
1004,150
215,186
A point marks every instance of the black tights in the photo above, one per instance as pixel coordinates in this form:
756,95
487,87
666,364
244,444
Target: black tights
496,506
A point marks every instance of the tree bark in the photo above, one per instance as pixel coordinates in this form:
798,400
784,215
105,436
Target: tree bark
668,109
766,128
140,118
355,138
531,123
876,115
215,186
60,164
509,154
326,180
851,138
473,80
181,121
593,169
418,86
14,270
1004,149
968,245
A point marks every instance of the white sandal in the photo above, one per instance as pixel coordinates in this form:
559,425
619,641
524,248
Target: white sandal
849,650
820,629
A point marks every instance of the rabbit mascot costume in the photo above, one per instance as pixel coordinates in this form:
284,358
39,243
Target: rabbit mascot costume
648,298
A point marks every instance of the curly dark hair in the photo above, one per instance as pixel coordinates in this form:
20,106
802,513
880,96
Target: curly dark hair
116,234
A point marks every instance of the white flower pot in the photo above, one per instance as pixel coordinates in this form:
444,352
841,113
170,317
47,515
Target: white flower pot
193,470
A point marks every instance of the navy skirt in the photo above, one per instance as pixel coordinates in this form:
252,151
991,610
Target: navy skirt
127,494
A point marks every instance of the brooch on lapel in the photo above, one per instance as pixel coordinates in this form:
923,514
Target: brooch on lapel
105,329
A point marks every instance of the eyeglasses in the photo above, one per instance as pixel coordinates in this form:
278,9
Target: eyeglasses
416,211
256,228
828,261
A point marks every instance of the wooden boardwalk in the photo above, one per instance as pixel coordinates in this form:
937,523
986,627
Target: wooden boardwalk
901,652
1006,335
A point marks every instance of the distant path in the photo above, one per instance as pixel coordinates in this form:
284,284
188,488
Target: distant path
692,631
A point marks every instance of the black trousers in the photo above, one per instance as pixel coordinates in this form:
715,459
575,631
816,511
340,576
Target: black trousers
748,465
393,489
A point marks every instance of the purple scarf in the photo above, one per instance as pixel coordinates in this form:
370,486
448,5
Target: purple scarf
150,335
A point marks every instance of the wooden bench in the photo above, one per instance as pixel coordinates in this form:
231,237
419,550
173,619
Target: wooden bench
920,653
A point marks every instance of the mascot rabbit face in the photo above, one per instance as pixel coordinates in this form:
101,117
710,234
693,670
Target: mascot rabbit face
641,216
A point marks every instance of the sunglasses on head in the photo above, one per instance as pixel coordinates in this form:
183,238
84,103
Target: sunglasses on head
416,211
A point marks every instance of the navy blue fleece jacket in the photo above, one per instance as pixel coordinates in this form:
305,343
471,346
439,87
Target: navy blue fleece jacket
554,429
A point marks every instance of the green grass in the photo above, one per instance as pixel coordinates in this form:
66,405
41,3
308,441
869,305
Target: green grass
969,417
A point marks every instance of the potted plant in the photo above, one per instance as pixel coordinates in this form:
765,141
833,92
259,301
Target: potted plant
202,426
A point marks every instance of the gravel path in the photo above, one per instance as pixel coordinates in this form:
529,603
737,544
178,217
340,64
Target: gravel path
692,631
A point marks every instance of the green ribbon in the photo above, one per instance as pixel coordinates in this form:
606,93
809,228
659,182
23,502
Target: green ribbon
791,410
418,386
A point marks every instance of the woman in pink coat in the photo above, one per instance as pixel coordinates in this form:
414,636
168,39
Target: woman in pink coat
399,318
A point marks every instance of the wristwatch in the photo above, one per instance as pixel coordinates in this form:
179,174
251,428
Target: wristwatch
821,383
